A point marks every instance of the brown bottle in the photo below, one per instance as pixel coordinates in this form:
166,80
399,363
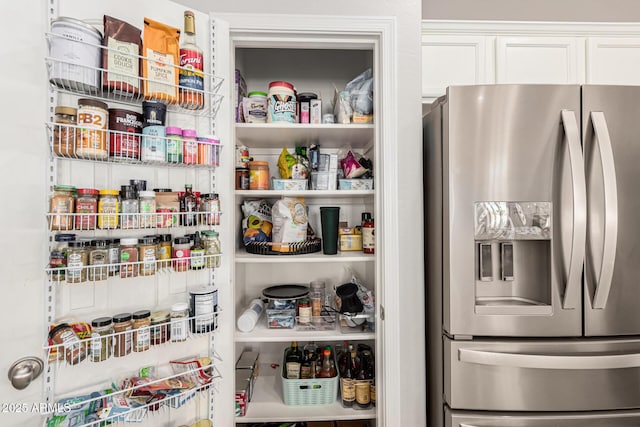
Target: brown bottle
347,383
293,360
364,381
327,371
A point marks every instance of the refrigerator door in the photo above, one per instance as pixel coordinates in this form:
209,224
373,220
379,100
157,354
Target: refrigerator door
550,375
557,419
611,132
514,201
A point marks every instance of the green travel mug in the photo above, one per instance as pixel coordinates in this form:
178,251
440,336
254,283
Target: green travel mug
329,216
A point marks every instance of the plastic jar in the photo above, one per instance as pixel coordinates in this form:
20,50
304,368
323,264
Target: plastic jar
98,259
174,144
108,208
124,138
101,338
181,252
210,206
179,321
122,328
77,261
160,327
258,175
304,99
256,107
211,248
147,209
242,179
153,147
249,317
189,147
147,254
141,331
203,303
317,297
281,102
91,139
61,206
163,254
114,257
58,256
64,134
129,207
128,257
66,339
87,208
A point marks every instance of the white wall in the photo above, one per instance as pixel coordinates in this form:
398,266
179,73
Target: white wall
409,401
539,10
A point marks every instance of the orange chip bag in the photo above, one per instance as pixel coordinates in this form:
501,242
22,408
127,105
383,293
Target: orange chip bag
161,50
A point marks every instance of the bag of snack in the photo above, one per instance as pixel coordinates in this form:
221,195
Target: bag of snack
162,55
121,59
256,224
289,222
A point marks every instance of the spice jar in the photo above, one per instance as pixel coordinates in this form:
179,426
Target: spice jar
66,339
64,131
181,253
163,254
160,327
129,207
210,205
62,206
211,248
174,144
141,335
114,257
147,209
179,321
108,208
98,259
101,338
304,311
122,328
190,147
128,257
91,140
58,256
147,254
86,209
242,179
77,261
258,175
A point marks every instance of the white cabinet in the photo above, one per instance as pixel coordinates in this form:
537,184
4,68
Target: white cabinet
613,60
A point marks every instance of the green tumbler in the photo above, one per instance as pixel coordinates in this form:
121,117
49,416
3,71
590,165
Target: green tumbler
329,216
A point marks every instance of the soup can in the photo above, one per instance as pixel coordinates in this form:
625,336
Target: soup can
124,137
75,54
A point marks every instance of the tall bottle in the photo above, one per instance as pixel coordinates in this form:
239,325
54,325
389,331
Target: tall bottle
347,383
368,234
197,253
364,380
191,75
293,361
189,206
305,367
327,371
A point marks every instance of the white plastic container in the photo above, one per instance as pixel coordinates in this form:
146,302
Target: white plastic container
289,184
281,103
248,319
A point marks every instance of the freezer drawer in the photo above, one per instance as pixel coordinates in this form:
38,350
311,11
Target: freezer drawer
558,419
536,375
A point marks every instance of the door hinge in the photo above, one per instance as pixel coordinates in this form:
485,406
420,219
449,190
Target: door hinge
381,312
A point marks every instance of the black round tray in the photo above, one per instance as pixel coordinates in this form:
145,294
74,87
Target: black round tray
299,248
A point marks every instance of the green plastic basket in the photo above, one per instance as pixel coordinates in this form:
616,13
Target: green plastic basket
316,391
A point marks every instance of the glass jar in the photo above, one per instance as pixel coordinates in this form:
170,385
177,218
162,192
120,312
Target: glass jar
65,339
58,256
147,255
77,261
62,206
64,132
86,209
98,259
304,311
147,209
190,147
211,248
101,338
114,257
181,253
210,206
122,328
141,333
163,254
179,321
258,175
129,207
129,257
160,327
108,208
317,297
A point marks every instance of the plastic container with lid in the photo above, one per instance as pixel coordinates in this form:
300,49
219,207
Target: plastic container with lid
62,206
181,253
86,209
281,102
160,327
129,257
147,206
163,251
317,297
147,248
101,338
256,107
141,330
249,317
179,321
122,329
174,144
189,147
64,134
65,339
203,304
58,256
304,99
258,175
108,209
91,135
129,207
242,178
77,261
98,259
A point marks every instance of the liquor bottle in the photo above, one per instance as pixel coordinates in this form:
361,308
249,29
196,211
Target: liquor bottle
347,383
197,253
189,206
363,381
305,367
368,234
327,371
191,76
293,360
341,355
313,371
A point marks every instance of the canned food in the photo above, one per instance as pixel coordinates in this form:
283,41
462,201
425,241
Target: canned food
124,138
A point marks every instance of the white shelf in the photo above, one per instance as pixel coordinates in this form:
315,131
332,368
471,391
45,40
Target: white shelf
263,334
267,404
333,194
270,135
242,257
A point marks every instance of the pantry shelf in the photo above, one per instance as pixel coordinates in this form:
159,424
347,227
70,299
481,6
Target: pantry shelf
243,257
270,135
263,334
319,194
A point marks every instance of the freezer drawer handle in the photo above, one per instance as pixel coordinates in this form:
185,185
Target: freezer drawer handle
542,361
601,132
578,238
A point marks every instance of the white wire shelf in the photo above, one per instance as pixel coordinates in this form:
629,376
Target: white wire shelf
88,349
64,139
126,270
122,406
130,221
85,79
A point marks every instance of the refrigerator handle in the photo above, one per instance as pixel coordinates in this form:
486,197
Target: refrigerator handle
601,133
545,361
578,237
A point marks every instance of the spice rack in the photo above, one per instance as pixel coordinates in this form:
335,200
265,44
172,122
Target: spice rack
169,221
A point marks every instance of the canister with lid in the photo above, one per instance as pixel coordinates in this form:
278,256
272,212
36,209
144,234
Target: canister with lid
147,254
64,132
164,251
211,248
91,138
174,144
58,256
129,257
179,321
258,175
203,303
77,261
62,206
125,127
181,253
242,178
86,209
305,105
122,327
98,259
256,107
147,206
210,207
160,327
141,330
108,209
101,338
154,146
281,102
189,147
66,340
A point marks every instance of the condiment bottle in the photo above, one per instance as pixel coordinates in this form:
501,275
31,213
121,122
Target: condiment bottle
98,259
77,261
129,207
163,254
160,327
181,253
189,206
64,131
122,328
304,311
190,147
179,321
58,256
316,295
108,209
368,234
211,248
210,206
101,338
147,208
66,339
128,257
174,144
147,255
114,257
61,206
191,76
141,331
197,253
86,209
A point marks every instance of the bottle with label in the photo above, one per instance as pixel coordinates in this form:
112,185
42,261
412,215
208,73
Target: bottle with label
293,361
189,206
327,370
305,367
368,234
191,76
364,380
197,253
347,383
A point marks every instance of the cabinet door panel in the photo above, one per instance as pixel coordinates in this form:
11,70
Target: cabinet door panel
613,60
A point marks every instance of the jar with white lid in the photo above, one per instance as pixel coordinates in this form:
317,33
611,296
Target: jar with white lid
147,206
281,102
179,321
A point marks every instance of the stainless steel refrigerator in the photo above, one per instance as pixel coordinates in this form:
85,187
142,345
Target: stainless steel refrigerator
533,256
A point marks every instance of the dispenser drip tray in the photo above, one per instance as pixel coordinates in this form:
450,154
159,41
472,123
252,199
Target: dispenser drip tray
511,305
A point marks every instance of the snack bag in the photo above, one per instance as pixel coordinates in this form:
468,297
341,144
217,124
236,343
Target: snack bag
161,50
289,222
256,224
285,163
